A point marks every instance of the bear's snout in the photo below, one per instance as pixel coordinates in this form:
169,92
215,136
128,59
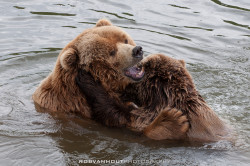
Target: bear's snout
137,52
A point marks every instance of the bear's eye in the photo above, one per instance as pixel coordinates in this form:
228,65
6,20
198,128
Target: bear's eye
112,53
126,41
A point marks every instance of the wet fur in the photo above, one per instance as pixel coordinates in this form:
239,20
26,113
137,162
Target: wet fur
168,88
104,51
169,106
105,108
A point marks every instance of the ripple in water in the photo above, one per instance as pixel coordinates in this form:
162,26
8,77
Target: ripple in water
211,36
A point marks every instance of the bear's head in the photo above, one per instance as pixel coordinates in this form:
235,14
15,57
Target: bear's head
165,81
107,52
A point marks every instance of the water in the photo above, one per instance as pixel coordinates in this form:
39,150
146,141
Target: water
212,36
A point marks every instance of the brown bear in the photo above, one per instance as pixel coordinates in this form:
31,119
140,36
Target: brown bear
106,52
167,83
169,106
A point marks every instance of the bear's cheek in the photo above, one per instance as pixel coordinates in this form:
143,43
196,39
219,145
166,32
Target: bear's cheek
124,55
117,65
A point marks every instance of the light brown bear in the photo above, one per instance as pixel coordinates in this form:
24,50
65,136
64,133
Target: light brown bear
106,52
169,106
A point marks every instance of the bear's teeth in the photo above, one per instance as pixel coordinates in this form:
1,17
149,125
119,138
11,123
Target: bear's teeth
138,68
140,73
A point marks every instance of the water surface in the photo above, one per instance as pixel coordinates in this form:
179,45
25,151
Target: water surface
212,36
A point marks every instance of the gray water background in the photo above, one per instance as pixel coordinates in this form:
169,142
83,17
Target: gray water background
212,36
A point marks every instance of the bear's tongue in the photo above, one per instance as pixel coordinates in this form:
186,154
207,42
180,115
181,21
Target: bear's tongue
135,72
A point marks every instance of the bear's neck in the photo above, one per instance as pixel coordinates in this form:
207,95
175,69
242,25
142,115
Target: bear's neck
111,80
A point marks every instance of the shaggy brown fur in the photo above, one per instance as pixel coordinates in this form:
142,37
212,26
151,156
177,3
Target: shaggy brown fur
104,51
104,107
167,84
170,107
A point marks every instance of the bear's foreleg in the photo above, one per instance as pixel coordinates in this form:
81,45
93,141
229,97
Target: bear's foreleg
105,109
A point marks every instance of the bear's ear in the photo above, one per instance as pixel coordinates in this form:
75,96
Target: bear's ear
103,22
69,58
183,63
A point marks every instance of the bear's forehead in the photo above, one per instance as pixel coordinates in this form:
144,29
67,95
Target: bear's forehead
110,32
99,36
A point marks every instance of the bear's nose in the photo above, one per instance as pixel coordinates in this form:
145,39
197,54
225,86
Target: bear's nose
137,52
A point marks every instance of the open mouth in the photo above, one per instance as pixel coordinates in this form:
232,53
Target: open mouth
135,72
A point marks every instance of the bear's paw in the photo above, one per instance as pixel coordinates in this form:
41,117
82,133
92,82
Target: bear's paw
169,124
